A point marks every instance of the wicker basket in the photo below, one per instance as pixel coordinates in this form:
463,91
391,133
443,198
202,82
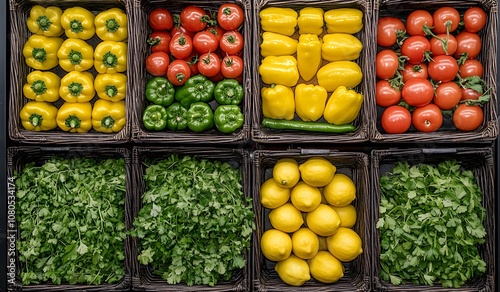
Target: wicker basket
360,134
140,32
143,277
355,165
18,157
447,133
19,12
480,162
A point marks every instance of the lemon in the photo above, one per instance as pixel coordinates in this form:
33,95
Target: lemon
325,268
275,245
272,195
347,215
305,243
323,221
286,172
305,197
322,243
317,171
345,244
293,271
341,191
286,218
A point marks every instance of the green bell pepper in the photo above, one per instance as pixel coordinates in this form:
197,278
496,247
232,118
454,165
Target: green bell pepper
155,117
176,117
160,91
228,91
197,88
200,117
228,118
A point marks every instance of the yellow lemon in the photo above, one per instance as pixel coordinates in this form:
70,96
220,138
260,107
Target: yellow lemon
347,215
322,243
286,218
286,172
345,244
325,268
323,221
272,195
305,243
305,197
275,245
293,271
317,171
341,191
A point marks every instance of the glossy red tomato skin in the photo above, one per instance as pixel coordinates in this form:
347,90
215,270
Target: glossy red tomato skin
471,67
443,68
205,41
209,64
385,94
192,61
178,72
232,66
468,42
217,31
230,16
416,20
193,18
160,19
387,28
447,96
427,118
468,118
470,94
386,64
181,46
437,47
164,41
232,42
414,70
157,63
396,120
474,19
444,15
414,48
180,29
417,92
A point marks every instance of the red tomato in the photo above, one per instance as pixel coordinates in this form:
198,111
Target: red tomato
217,31
159,41
412,71
474,19
216,78
181,46
470,68
386,64
427,118
178,72
417,92
470,94
445,18
396,120
192,62
194,18
447,95
160,19
386,95
441,40
414,48
230,16
157,63
231,66
232,42
209,64
179,30
388,29
443,68
468,42
205,41
416,21
468,118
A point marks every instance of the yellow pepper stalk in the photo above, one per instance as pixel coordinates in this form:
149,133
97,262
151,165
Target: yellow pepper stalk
78,23
343,106
278,20
309,55
278,102
344,20
42,86
111,25
110,57
45,21
311,21
75,117
75,55
77,87
38,116
108,116
275,44
335,74
279,70
111,87
40,52
310,101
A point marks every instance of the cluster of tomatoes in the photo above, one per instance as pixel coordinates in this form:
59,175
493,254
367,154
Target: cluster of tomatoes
427,66
196,42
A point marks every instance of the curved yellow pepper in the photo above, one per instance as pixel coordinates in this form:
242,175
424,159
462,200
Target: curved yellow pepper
309,56
77,87
344,20
279,70
108,116
279,20
45,21
111,25
340,47
275,44
311,21
335,74
111,87
110,57
75,117
42,86
40,52
38,116
75,55
310,101
278,102
343,106
78,23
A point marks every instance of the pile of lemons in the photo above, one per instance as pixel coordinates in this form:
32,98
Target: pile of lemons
312,216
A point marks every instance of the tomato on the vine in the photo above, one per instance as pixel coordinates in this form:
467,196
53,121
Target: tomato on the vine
157,63
194,18
159,41
209,64
415,48
427,118
443,68
178,72
417,92
396,119
386,64
181,46
468,118
160,19
231,66
447,96
443,44
445,19
414,70
230,16
471,67
388,29
474,19
205,41
192,62
385,94
232,42
468,42
416,20
217,31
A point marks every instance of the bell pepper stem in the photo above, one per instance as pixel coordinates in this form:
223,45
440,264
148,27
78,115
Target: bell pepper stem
73,122
109,60
75,88
112,25
76,26
39,54
229,92
36,120
111,90
107,122
39,87
75,57
44,22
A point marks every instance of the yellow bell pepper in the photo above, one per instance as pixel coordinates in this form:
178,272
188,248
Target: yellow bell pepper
45,21
75,117
311,20
340,47
111,25
343,106
77,87
344,20
278,102
108,116
335,74
78,23
42,86
75,55
309,55
275,44
38,116
110,57
40,52
111,87
310,101
279,70
278,20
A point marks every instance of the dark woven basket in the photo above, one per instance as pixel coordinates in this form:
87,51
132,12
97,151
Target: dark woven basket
140,33
143,277
355,165
18,157
488,57
478,160
360,134
19,12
